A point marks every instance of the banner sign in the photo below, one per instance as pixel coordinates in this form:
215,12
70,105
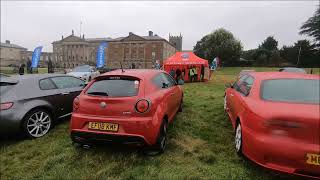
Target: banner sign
36,57
100,54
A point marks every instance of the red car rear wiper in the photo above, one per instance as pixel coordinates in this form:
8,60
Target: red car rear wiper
98,93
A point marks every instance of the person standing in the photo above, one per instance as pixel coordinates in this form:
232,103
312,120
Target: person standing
183,73
195,72
202,72
191,74
21,69
50,66
178,74
29,66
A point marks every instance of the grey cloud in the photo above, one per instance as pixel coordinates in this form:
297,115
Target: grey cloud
40,23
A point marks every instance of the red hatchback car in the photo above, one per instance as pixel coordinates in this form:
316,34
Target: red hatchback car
276,117
130,107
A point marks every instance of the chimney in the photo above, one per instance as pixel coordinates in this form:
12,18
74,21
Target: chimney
130,33
150,33
72,32
82,36
7,42
62,37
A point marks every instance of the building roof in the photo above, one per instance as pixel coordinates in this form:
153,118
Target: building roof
98,39
9,45
155,37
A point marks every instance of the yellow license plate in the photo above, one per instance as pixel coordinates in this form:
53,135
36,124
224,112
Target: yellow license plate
313,159
103,126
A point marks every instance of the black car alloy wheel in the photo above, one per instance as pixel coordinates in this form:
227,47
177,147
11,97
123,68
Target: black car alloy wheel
37,123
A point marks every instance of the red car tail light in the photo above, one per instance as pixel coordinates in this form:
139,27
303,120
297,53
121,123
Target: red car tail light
142,105
5,106
76,104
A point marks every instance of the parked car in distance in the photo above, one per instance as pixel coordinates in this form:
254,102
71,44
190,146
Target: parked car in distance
2,75
130,107
31,103
85,72
293,70
275,116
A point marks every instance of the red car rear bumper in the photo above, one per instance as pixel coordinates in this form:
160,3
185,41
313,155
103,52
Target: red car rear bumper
132,130
280,153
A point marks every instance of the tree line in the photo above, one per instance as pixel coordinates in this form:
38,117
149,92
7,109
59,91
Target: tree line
303,53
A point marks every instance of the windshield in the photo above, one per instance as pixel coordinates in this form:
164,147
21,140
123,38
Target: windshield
114,88
291,90
82,69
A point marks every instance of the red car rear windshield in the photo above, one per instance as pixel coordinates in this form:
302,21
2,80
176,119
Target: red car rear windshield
114,87
291,90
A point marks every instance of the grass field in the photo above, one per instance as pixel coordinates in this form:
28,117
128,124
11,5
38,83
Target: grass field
10,70
200,147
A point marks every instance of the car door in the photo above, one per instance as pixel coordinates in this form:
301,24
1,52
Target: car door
171,94
232,96
69,87
242,90
51,94
174,92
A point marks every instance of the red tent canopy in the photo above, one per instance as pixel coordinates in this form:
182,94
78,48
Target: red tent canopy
185,58
186,62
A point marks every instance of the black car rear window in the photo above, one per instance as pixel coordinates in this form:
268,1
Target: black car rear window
114,87
291,90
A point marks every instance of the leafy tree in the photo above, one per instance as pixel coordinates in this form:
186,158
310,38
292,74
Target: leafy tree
199,48
312,27
309,56
269,44
219,43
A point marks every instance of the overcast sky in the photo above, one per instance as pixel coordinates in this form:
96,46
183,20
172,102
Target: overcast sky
30,24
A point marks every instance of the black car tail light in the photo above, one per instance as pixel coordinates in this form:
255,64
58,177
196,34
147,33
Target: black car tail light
5,106
142,105
76,104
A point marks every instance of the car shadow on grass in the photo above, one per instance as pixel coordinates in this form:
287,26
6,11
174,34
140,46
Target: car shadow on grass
7,140
13,138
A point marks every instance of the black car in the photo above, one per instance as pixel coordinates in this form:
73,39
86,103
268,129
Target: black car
31,103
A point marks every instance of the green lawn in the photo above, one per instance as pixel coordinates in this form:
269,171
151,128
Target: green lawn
10,70
200,147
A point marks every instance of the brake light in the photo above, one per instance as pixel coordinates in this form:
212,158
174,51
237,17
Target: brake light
76,104
5,106
142,105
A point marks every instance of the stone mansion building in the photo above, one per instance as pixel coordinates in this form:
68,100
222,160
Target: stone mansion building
133,51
